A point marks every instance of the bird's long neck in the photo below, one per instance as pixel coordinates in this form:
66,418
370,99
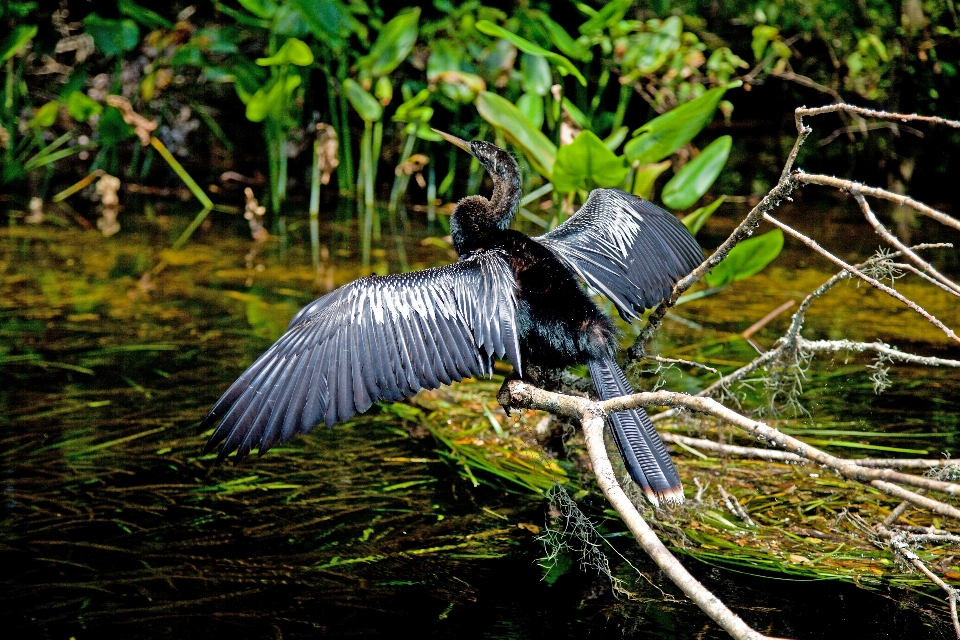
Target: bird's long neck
506,189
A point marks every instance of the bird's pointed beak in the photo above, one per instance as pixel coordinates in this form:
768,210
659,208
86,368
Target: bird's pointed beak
455,141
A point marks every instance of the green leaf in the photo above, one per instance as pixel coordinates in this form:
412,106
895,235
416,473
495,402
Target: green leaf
535,74
383,90
45,116
111,129
537,148
112,37
561,39
611,13
293,51
694,221
330,21
362,101
269,100
393,45
746,259
579,117
616,138
646,177
413,110
693,180
564,66
666,133
762,34
16,40
586,162
81,107
531,106
144,16
261,8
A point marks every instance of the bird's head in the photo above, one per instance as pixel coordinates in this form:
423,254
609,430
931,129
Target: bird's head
504,171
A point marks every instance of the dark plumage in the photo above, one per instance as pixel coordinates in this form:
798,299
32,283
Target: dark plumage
510,296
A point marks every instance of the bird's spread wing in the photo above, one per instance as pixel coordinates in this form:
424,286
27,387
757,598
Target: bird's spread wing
626,248
378,338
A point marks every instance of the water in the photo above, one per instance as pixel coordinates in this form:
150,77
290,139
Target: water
113,521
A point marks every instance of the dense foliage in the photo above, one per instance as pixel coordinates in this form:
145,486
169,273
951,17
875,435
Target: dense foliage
243,84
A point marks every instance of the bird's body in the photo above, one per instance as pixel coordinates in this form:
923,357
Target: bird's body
509,296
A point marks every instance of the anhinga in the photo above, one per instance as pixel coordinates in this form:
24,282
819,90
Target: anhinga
509,296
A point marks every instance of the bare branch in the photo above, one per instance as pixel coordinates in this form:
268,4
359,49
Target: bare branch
871,281
834,346
904,249
873,113
856,187
593,420
901,548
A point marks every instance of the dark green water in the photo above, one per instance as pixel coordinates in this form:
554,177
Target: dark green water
114,523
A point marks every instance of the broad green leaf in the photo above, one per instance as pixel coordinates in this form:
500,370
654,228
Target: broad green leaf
611,13
693,180
330,21
16,40
81,107
746,259
362,101
293,51
694,221
646,177
393,45
45,116
289,21
586,162
531,106
537,148
562,40
564,66
535,74
269,100
144,16
260,8
112,37
666,133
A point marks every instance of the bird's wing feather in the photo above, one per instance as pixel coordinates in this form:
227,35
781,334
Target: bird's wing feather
626,248
378,338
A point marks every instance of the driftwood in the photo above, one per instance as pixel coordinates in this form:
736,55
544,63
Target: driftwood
886,475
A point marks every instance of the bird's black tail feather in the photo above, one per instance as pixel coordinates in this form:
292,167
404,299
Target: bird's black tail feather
646,458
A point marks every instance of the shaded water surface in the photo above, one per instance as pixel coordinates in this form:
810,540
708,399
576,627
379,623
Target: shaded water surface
113,521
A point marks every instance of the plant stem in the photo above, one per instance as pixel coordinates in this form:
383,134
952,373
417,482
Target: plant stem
431,194
402,179
626,91
180,171
366,150
182,240
315,206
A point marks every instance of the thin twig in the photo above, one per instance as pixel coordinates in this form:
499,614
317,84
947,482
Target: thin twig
899,198
775,455
902,549
904,249
871,281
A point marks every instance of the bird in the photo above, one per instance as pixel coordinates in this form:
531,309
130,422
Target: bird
509,296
